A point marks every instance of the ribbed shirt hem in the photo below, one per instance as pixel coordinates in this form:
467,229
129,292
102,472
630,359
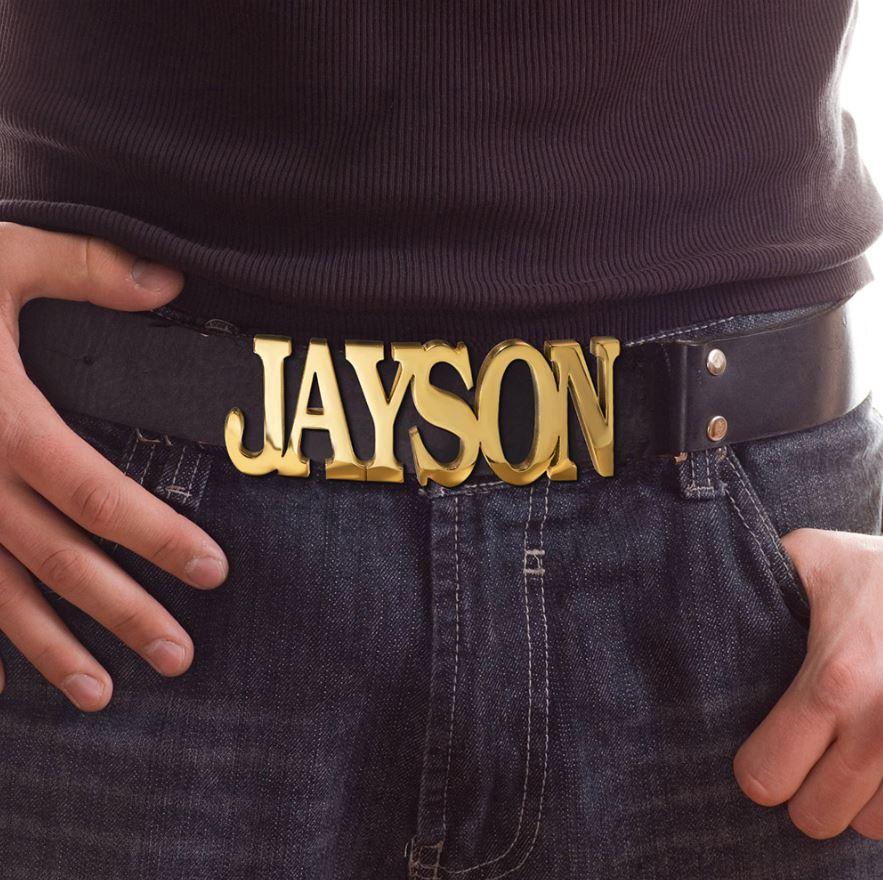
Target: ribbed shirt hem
629,319
212,291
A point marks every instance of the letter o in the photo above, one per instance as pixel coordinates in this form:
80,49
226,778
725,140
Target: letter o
487,399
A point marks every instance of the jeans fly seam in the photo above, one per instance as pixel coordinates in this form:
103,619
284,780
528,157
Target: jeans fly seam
546,697
517,835
538,571
541,804
456,663
539,822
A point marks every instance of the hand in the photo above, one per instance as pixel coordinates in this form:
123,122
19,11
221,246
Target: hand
821,746
52,483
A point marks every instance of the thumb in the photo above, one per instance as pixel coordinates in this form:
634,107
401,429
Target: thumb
36,262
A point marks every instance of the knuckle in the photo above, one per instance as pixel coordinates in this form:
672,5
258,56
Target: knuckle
67,567
169,549
849,765
126,619
13,433
97,256
46,657
96,503
83,264
840,680
811,823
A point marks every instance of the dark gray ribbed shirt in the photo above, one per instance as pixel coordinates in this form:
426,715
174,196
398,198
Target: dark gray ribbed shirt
426,169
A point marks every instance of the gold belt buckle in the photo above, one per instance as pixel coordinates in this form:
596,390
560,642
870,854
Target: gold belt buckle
559,374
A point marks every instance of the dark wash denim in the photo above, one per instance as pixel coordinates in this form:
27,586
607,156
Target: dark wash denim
491,681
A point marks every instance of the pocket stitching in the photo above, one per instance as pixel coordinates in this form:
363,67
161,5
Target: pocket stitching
774,543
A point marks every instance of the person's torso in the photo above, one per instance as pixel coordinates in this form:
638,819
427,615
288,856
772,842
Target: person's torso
482,156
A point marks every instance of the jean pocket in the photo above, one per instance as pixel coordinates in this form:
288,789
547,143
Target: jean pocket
755,516
826,477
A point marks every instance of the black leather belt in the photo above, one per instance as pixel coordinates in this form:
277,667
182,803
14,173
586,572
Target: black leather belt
141,369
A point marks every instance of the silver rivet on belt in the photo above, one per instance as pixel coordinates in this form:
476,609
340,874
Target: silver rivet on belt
717,428
716,362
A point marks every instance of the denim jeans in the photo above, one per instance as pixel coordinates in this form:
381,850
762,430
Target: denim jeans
538,682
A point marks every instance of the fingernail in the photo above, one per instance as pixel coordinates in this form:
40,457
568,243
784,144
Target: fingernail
165,656
154,276
206,571
82,690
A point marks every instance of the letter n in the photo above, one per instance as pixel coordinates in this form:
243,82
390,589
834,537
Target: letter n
594,409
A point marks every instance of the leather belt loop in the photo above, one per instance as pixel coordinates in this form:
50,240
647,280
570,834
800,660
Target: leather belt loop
768,381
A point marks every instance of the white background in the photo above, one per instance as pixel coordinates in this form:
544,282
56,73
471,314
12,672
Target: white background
861,95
